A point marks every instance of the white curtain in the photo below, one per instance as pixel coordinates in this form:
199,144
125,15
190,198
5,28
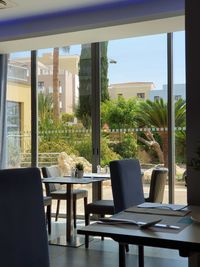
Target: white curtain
3,86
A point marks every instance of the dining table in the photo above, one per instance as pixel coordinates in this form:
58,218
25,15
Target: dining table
176,227
71,238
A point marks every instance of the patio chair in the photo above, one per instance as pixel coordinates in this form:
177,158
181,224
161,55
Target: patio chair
98,207
23,232
157,185
106,207
47,204
56,191
127,190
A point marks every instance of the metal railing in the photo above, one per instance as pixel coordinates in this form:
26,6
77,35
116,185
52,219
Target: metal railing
44,159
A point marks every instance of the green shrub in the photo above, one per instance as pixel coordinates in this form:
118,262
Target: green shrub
85,150
127,148
66,117
107,154
56,147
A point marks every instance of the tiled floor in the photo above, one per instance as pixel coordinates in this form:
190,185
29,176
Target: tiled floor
105,253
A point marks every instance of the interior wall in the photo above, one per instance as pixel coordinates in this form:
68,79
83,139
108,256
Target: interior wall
193,101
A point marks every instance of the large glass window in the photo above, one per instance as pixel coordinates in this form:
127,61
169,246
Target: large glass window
180,116
135,118
64,110
133,107
19,111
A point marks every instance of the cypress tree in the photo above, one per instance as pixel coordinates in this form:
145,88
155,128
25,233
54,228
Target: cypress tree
84,108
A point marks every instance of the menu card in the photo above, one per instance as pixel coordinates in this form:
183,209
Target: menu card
160,209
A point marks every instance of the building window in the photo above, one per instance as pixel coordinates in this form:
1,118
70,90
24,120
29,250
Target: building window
119,95
40,85
156,97
50,90
13,116
177,97
141,95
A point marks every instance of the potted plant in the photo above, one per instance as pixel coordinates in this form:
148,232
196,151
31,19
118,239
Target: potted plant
79,170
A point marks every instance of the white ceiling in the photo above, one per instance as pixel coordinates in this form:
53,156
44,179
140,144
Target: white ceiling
24,8
30,25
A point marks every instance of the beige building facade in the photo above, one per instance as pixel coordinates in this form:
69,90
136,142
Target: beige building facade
131,89
19,96
68,78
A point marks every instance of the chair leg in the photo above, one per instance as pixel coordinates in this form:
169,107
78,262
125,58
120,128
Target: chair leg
127,248
87,222
85,202
57,209
122,258
49,218
141,256
74,212
102,216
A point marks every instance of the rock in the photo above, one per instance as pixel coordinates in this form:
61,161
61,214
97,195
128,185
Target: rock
67,162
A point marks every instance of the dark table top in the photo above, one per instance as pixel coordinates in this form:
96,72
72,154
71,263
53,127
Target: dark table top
70,180
187,238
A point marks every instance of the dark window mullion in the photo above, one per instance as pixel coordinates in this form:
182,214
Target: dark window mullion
34,110
96,99
171,122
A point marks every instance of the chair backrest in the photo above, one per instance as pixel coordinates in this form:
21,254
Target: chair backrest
23,235
126,181
51,171
157,185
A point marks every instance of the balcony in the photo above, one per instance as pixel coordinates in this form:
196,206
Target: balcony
17,73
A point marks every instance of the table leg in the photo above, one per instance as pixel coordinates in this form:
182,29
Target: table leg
122,259
140,256
97,191
194,260
69,212
96,195
70,239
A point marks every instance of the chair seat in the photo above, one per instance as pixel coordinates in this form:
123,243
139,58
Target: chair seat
47,200
100,207
62,194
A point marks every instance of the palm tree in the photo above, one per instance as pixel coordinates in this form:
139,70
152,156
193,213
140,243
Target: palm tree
56,99
56,84
154,114
44,110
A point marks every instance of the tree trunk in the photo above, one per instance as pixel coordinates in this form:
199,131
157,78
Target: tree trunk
164,136
151,142
56,94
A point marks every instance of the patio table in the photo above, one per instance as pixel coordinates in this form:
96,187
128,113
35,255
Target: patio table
71,239
186,239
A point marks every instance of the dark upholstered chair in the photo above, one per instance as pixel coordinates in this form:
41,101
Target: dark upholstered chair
127,190
23,232
106,207
157,185
99,207
56,191
126,183
47,204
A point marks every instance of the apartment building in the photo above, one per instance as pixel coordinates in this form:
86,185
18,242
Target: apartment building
178,91
131,89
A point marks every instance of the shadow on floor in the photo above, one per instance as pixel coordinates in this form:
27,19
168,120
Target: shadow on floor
105,254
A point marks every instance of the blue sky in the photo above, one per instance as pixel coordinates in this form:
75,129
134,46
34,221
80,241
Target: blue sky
141,59
144,59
